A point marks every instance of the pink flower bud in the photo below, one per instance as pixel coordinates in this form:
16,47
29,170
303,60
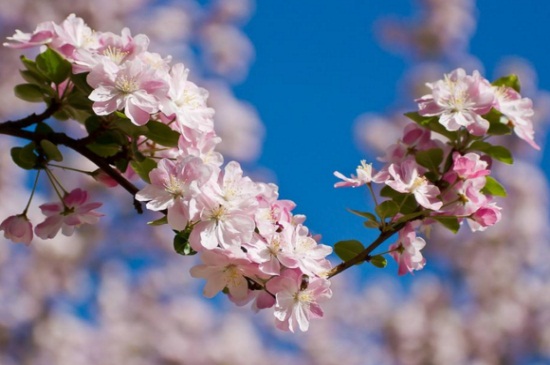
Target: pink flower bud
17,228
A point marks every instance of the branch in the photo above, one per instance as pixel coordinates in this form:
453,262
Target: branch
33,118
14,128
364,255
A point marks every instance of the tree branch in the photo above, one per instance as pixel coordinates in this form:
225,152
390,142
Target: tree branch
15,128
364,255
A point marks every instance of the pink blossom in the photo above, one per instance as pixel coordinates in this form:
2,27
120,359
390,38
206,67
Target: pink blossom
464,197
518,111
459,100
306,253
72,212
469,166
486,216
43,34
406,251
175,187
187,102
224,268
405,178
73,34
297,299
116,48
227,216
364,176
17,228
133,86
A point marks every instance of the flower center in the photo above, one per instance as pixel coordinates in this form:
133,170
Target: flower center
115,54
125,84
175,187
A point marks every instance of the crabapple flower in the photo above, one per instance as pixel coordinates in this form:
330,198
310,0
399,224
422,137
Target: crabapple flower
297,299
175,187
469,166
224,268
486,216
43,34
17,228
406,251
405,178
65,216
187,102
227,215
133,86
518,111
364,176
459,100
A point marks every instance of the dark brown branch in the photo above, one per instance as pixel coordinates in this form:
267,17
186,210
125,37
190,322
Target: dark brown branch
33,118
14,128
365,254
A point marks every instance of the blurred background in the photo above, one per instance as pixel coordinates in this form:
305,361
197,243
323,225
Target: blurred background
301,89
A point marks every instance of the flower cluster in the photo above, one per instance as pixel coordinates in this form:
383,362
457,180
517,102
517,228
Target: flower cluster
439,171
252,246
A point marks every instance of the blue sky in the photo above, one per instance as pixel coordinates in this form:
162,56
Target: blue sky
318,67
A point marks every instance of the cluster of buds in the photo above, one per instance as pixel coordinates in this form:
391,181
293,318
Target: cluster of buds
439,171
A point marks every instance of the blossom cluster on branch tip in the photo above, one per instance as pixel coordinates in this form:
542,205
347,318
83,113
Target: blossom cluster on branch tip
143,114
439,171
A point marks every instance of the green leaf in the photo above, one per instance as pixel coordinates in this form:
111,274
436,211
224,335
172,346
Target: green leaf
367,215
509,81
51,151
451,223
162,134
80,82
43,128
348,249
159,222
431,159
497,123
34,78
379,261
387,209
388,192
29,92
24,157
142,168
181,243
92,124
104,150
493,187
432,123
126,125
500,153
53,66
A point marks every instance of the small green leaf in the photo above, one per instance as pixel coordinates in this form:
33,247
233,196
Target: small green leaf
367,215
500,153
24,157
181,243
348,249
80,81
162,134
431,159
379,261
92,124
43,128
29,92
51,151
493,187
480,146
52,65
126,125
142,168
509,81
451,223
159,222
34,78
387,209
388,192
104,150
432,123
497,123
